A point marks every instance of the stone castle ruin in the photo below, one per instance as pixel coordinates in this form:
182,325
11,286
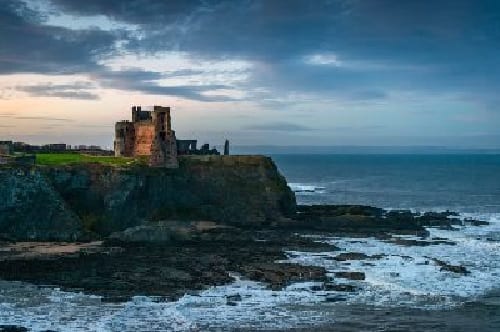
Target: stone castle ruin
150,134
9,157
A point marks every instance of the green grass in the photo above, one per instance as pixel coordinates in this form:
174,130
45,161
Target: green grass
50,159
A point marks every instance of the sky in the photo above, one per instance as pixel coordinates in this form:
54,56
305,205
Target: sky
264,72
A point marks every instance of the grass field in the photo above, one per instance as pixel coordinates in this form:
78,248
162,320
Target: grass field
76,158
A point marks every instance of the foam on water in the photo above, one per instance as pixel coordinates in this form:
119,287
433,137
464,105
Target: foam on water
44,308
51,309
407,275
404,276
305,188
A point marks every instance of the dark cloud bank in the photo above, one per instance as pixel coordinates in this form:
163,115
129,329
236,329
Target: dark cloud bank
381,46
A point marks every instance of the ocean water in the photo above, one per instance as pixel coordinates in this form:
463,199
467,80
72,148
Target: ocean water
462,183
403,290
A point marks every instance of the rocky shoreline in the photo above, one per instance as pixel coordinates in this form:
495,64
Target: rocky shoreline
170,259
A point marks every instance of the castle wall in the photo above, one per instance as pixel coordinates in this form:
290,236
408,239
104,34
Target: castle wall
186,146
124,139
6,147
144,134
164,146
150,134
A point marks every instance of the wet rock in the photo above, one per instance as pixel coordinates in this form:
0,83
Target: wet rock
438,219
281,275
233,298
450,268
339,210
448,228
170,269
335,298
350,256
12,328
420,243
162,231
477,222
350,275
357,220
366,221
340,287
455,268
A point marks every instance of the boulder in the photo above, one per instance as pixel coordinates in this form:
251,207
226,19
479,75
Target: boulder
350,256
350,275
339,287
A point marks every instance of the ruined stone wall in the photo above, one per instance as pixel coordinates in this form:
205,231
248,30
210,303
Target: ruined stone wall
186,146
124,139
164,146
6,147
144,134
149,134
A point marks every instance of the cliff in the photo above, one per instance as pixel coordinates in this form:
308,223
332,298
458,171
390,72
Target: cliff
66,202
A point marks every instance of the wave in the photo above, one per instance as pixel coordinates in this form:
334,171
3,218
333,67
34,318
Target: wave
407,276
306,188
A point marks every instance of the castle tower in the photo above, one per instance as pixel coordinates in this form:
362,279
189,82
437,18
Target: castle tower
164,145
124,138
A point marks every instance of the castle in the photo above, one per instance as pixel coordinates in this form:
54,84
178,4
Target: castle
150,134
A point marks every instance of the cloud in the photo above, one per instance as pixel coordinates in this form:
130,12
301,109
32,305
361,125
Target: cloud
323,60
149,12
78,90
277,126
355,50
47,118
147,82
131,79
427,46
357,128
29,46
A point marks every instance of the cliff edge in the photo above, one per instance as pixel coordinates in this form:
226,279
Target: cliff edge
70,202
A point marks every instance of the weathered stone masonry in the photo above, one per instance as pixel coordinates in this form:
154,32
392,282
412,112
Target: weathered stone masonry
150,134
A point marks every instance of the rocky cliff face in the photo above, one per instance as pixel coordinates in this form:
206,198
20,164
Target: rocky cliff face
65,201
31,209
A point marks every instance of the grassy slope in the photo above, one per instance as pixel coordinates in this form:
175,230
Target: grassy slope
76,158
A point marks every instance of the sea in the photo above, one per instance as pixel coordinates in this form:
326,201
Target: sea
461,183
402,291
